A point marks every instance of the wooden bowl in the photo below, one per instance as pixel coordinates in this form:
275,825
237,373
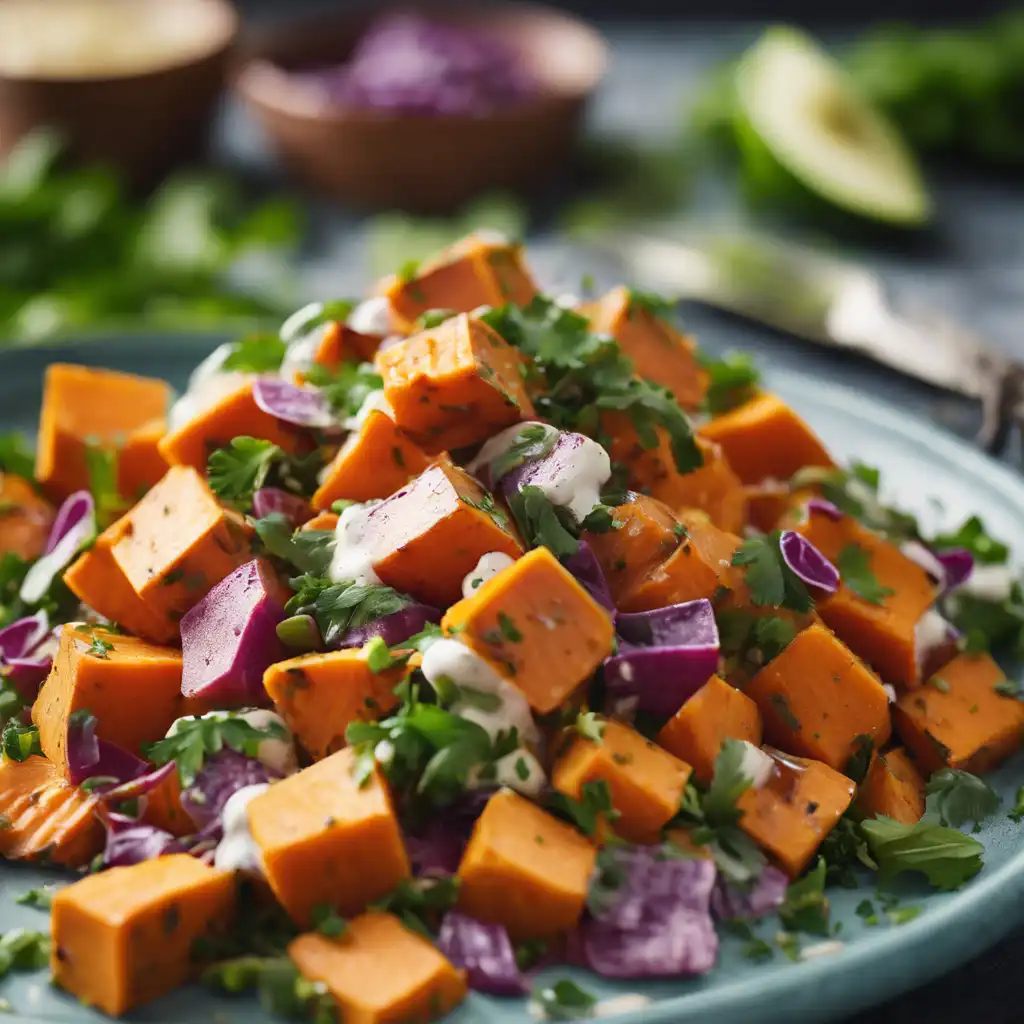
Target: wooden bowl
141,122
422,163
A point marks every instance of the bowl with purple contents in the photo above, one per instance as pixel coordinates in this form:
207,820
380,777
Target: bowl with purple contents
423,109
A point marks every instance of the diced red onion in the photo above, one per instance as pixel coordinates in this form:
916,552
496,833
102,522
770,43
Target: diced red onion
484,951
958,564
826,508
73,528
587,570
136,787
273,499
27,675
300,406
89,756
21,638
807,562
130,842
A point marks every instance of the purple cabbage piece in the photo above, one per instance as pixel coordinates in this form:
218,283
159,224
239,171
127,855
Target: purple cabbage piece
300,406
731,902
130,842
22,654
222,774
272,499
484,951
393,628
139,786
73,527
89,756
27,675
410,65
587,570
229,639
436,848
657,924
826,508
664,657
21,638
807,562
958,564
548,468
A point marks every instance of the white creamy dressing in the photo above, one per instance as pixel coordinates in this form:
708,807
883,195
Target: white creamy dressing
496,446
578,487
568,301
238,851
489,566
353,551
491,236
989,582
372,316
455,662
890,692
276,752
756,765
931,631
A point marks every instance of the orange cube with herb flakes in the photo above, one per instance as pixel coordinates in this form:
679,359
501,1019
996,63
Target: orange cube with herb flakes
126,936
795,810
715,713
534,621
818,700
455,384
430,534
658,351
320,695
338,343
646,783
524,869
85,407
379,971
967,716
139,463
234,415
883,597
373,463
25,518
644,533
323,521
329,837
893,787
178,543
701,566
479,270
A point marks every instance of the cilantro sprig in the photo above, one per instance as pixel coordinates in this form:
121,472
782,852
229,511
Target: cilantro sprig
282,990
340,606
308,551
346,387
769,579
854,564
236,472
564,1000
732,380
955,797
19,742
946,857
543,524
530,444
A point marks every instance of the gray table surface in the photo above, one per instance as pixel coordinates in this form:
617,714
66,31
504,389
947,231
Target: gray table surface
972,265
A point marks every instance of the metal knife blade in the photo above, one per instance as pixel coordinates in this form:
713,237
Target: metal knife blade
813,296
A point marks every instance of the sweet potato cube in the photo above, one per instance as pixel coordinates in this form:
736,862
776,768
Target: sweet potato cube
319,695
818,700
715,713
431,533
476,271
131,686
25,518
646,782
45,817
379,971
178,543
372,463
892,787
339,343
84,406
644,534
883,634
234,415
322,521
139,462
966,717
659,352
713,488
328,838
126,936
700,567
455,384
96,580
525,869
538,624
795,810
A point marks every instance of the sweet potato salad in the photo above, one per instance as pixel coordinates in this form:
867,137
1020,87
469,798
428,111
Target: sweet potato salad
466,631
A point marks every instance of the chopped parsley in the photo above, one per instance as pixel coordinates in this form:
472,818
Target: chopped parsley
238,471
946,857
594,806
40,898
281,988
99,648
346,387
17,456
854,564
19,742
529,445
955,797
732,381
259,353
340,606
101,468
859,761
327,921
806,908
23,950
542,524
564,1000
421,903
590,726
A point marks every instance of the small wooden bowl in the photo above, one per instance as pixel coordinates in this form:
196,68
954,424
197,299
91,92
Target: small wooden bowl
141,123
424,164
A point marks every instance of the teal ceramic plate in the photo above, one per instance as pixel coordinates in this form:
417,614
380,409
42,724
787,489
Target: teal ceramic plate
923,466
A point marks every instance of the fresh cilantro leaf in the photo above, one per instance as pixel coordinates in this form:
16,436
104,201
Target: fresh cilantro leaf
728,784
845,852
238,471
489,507
281,988
946,857
594,806
378,657
854,566
806,908
769,579
530,444
590,726
17,456
346,387
600,519
101,466
866,912
339,607
19,742
540,524
99,648
310,551
858,763
955,797
258,353
732,381
195,738
40,898
23,950
326,920
650,302
973,536
422,903
564,1000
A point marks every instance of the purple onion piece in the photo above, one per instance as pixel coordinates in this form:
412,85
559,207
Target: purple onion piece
958,564
129,842
272,499
27,675
222,774
73,528
136,787
436,847
300,406
689,624
587,570
657,923
484,951
731,902
82,747
21,638
826,508
393,628
807,562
